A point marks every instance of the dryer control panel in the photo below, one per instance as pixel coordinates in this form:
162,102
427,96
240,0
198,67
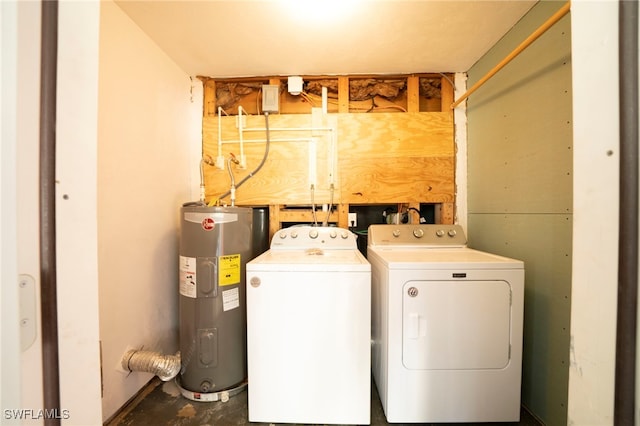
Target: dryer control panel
417,235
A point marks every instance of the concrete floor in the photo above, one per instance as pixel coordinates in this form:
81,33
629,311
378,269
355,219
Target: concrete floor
160,403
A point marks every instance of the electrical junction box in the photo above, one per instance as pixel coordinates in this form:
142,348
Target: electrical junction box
270,98
294,85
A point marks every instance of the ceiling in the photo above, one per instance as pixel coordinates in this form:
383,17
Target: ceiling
240,38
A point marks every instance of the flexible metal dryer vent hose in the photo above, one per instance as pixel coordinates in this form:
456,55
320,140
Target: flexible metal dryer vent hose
166,367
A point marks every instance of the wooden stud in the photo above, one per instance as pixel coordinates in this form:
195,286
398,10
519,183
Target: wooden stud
305,216
343,216
413,93
279,214
343,94
444,213
414,215
446,94
274,219
210,101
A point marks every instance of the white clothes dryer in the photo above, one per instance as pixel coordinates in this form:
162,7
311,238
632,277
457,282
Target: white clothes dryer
309,329
446,326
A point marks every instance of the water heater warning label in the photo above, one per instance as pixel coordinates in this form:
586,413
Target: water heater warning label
188,276
229,269
230,299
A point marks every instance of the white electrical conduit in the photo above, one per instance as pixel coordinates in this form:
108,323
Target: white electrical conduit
243,161
289,129
166,367
332,159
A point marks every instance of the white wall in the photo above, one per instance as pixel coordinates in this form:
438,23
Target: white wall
594,27
10,354
28,105
76,141
128,147
76,230
148,152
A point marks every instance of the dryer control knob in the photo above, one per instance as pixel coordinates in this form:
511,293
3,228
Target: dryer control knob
440,232
344,235
283,235
294,234
452,233
396,233
418,233
313,233
333,234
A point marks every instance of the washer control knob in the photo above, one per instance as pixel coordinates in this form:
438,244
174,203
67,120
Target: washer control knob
283,235
344,235
396,233
313,233
333,234
452,233
294,234
418,233
440,232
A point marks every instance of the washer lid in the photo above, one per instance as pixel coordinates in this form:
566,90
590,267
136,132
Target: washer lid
444,258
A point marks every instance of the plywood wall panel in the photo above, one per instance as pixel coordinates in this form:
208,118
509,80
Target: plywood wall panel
393,134
397,179
377,158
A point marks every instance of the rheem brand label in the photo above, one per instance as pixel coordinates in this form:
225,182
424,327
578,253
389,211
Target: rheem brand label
208,223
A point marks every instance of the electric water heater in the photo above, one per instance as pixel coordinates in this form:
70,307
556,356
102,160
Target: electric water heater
215,245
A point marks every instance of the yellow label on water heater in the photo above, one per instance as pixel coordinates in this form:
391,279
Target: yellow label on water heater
229,269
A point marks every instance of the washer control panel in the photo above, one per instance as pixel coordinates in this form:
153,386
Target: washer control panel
417,235
303,237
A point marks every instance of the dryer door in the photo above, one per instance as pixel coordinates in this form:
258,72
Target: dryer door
453,325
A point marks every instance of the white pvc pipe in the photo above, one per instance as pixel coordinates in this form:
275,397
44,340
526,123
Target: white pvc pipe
332,158
240,130
220,158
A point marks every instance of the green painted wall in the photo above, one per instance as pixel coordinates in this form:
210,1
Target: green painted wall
520,192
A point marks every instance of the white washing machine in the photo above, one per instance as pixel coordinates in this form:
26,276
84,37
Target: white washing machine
446,326
309,329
